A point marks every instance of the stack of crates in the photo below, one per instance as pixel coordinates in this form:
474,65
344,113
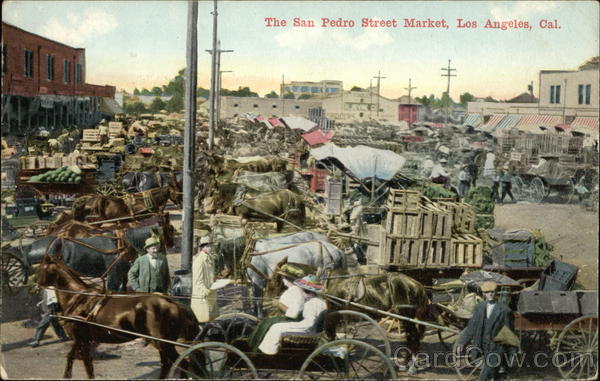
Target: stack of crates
420,233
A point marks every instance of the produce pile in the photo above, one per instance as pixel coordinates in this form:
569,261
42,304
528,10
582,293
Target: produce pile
70,174
481,200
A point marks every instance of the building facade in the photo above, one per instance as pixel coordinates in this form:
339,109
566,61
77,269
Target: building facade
570,93
360,105
43,85
237,106
319,89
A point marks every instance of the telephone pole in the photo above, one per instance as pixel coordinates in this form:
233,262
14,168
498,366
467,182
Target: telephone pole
215,90
448,74
379,77
410,89
219,91
187,223
370,98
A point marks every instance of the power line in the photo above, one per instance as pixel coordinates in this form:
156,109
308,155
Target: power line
448,74
379,77
410,89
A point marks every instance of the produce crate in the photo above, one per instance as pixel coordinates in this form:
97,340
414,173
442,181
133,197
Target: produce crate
91,135
548,302
404,224
115,129
401,200
463,216
399,251
435,223
467,251
558,276
434,253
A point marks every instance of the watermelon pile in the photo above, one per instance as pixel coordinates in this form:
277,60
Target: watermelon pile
60,175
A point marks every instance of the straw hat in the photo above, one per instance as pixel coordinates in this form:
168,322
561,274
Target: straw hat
309,283
488,286
152,241
206,240
290,271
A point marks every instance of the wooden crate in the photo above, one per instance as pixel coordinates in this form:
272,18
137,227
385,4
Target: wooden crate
435,223
467,251
91,135
463,216
400,199
399,251
403,223
434,253
115,129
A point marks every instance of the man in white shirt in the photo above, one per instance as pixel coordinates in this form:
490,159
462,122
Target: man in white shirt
314,307
438,174
204,302
50,307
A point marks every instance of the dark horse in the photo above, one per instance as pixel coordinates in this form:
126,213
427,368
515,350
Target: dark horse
391,292
141,181
109,207
148,314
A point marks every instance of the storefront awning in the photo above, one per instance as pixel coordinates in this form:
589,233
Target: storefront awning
532,123
585,125
491,124
473,120
507,123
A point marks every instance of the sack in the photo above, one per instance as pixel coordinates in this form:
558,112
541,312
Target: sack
507,337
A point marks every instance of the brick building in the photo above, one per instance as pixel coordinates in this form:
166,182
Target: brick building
43,85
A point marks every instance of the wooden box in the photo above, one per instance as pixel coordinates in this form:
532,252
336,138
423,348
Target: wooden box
399,251
434,253
91,135
463,216
115,129
400,199
403,224
467,251
435,223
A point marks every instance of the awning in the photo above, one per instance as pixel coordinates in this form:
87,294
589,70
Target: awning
473,120
297,122
362,161
492,123
317,137
507,123
533,122
262,119
275,122
586,125
110,106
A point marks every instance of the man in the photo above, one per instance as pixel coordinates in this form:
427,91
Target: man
489,318
496,185
438,174
50,307
464,181
150,272
203,276
473,170
427,165
506,181
312,313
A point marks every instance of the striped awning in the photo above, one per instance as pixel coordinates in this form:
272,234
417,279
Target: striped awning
533,122
492,123
586,125
473,120
506,124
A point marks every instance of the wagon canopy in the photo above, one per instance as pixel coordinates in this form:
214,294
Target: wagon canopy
362,161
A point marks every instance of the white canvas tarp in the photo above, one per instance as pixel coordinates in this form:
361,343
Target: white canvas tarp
297,122
362,161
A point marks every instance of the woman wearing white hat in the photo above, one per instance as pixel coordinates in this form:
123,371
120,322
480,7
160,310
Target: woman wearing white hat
204,303
314,307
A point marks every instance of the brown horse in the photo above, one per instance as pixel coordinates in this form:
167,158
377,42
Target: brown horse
391,292
148,314
109,207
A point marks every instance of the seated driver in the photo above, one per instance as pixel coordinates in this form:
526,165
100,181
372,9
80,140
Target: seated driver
314,306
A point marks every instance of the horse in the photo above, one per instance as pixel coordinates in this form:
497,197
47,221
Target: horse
282,203
392,292
148,314
111,207
141,181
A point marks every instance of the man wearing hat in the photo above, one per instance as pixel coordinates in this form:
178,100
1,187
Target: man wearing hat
312,314
438,174
506,180
464,181
290,303
488,320
204,301
150,272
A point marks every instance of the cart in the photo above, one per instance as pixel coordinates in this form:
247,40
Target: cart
549,179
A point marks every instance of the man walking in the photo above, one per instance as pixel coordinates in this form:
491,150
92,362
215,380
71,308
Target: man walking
506,180
203,276
150,272
50,308
464,182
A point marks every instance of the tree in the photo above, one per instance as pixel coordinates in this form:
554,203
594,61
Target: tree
243,92
204,93
145,91
288,95
157,105
356,88
156,91
305,96
466,98
175,104
134,107
272,94
136,91
490,99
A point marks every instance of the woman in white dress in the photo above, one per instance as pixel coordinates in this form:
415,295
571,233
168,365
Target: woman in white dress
314,306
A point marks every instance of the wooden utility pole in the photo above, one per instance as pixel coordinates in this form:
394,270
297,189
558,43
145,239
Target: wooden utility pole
410,89
379,78
187,223
448,74
370,98
282,91
215,94
219,84
212,122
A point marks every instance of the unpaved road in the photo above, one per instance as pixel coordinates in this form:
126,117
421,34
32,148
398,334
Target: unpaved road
572,231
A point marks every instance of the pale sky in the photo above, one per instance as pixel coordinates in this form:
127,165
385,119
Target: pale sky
142,43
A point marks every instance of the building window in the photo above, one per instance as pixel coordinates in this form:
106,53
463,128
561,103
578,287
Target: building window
588,92
78,73
3,47
67,71
555,94
255,105
49,67
235,105
274,106
314,89
580,94
297,107
304,89
28,63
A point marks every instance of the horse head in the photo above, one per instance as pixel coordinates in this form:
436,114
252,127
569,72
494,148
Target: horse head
175,191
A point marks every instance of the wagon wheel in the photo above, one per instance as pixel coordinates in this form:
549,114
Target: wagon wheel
518,187
106,189
577,349
537,190
228,327
349,360
357,326
14,271
468,363
213,361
